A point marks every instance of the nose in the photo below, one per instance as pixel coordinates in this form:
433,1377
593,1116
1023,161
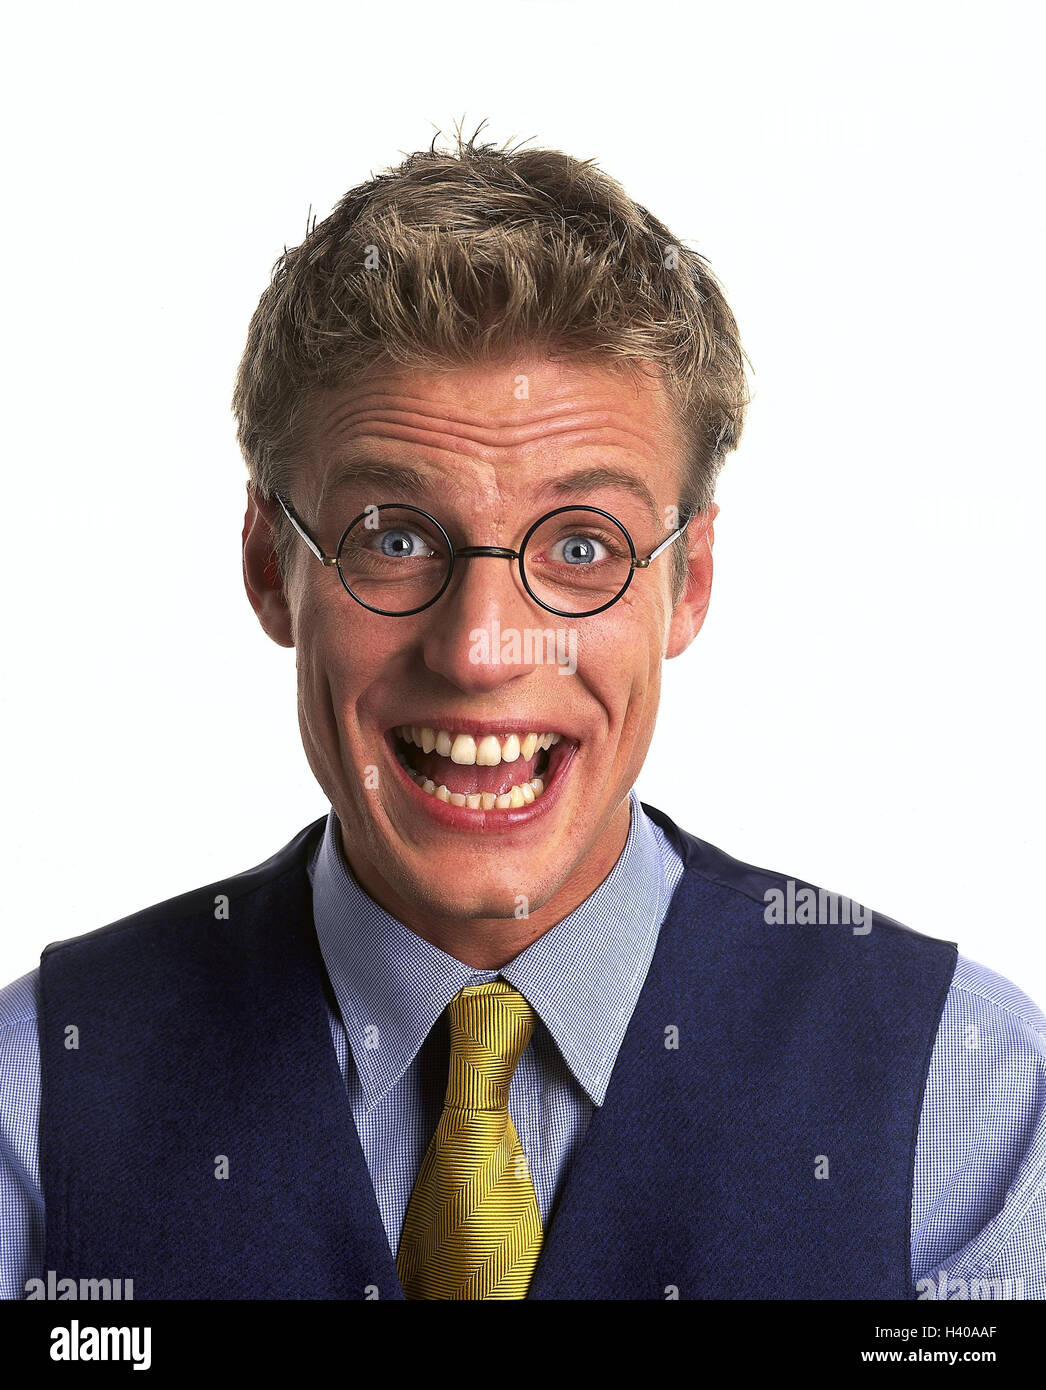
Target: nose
471,627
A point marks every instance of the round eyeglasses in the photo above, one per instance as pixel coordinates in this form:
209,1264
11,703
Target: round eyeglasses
396,560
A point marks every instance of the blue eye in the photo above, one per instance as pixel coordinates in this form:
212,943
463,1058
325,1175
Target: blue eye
580,550
402,544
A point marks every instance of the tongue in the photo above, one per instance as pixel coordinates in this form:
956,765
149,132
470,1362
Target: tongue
460,777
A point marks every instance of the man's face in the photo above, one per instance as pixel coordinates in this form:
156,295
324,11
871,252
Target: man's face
493,456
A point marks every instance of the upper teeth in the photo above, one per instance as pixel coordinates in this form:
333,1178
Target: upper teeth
485,750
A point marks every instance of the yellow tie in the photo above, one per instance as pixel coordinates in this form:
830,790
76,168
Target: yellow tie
473,1227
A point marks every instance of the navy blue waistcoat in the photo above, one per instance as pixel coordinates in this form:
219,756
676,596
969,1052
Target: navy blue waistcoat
756,1141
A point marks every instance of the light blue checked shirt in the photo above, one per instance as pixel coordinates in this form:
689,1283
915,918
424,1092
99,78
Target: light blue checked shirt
979,1198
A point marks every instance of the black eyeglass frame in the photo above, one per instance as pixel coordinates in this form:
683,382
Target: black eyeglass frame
498,551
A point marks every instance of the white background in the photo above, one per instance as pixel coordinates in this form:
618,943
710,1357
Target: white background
864,706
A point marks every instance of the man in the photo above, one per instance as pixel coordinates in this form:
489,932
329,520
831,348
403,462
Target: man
492,1028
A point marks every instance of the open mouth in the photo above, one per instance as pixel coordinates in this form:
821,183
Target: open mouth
501,771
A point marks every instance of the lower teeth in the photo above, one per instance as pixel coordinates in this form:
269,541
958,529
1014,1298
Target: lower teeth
516,797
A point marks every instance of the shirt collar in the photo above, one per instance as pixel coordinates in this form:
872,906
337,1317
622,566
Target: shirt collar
582,977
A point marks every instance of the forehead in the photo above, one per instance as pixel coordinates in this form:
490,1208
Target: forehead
497,432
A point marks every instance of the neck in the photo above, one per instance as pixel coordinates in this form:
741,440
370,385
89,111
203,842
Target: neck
488,943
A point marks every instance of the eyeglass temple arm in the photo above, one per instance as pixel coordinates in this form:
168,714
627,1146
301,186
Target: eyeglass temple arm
301,530
642,564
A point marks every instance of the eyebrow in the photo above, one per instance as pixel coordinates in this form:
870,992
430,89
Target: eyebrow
403,477
588,480
380,475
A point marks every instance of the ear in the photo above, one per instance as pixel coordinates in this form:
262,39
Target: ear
261,577
689,613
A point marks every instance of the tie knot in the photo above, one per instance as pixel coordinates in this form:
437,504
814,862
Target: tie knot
490,1026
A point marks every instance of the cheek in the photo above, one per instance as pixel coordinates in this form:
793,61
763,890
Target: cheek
327,633
619,667
329,666
347,666
620,657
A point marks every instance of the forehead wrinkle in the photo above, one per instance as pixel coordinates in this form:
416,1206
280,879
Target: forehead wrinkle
610,438
383,431
461,481
364,393
457,423
451,435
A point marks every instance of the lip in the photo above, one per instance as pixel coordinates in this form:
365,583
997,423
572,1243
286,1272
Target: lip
488,822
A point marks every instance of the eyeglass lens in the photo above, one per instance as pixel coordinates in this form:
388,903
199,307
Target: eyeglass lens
396,560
